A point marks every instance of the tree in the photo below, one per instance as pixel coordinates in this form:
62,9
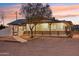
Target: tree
2,27
33,12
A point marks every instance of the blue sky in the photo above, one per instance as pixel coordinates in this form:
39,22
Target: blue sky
63,4
62,11
52,4
6,4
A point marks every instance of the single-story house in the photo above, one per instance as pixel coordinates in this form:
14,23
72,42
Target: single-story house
75,27
49,27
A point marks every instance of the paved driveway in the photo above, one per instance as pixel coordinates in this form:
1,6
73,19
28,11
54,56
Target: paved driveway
42,46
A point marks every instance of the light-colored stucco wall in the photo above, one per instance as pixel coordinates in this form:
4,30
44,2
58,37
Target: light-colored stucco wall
45,27
40,27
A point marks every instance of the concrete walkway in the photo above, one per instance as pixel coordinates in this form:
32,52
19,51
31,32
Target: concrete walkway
5,32
7,38
17,38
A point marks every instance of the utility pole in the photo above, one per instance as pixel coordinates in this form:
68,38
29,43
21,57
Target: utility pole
2,17
16,15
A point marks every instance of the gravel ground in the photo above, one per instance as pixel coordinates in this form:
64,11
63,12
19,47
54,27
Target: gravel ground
41,46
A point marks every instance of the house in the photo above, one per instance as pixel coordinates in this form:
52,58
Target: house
43,27
75,27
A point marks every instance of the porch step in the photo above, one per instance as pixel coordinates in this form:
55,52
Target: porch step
19,39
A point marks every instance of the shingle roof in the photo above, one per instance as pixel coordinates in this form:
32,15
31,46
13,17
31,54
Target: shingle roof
18,22
23,21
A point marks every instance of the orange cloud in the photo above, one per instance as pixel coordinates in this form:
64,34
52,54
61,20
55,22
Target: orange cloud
64,8
58,11
65,11
10,12
59,16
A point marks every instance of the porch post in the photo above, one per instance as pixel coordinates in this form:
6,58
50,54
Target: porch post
35,29
26,29
50,28
23,27
42,31
57,30
23,30
13,30
17,30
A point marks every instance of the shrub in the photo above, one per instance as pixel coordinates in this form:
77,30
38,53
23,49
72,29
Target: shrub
2,27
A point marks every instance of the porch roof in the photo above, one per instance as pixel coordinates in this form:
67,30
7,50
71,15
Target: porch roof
23,21
18,22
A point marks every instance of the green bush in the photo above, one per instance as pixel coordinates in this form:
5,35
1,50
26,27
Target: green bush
2,27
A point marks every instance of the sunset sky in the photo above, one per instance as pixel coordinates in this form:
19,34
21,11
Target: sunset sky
62,11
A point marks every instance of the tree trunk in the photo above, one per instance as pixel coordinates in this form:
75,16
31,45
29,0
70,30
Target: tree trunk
31,32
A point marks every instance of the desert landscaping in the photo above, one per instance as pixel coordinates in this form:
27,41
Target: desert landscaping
41,46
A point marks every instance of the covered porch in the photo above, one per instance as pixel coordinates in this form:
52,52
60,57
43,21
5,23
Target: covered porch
54,28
